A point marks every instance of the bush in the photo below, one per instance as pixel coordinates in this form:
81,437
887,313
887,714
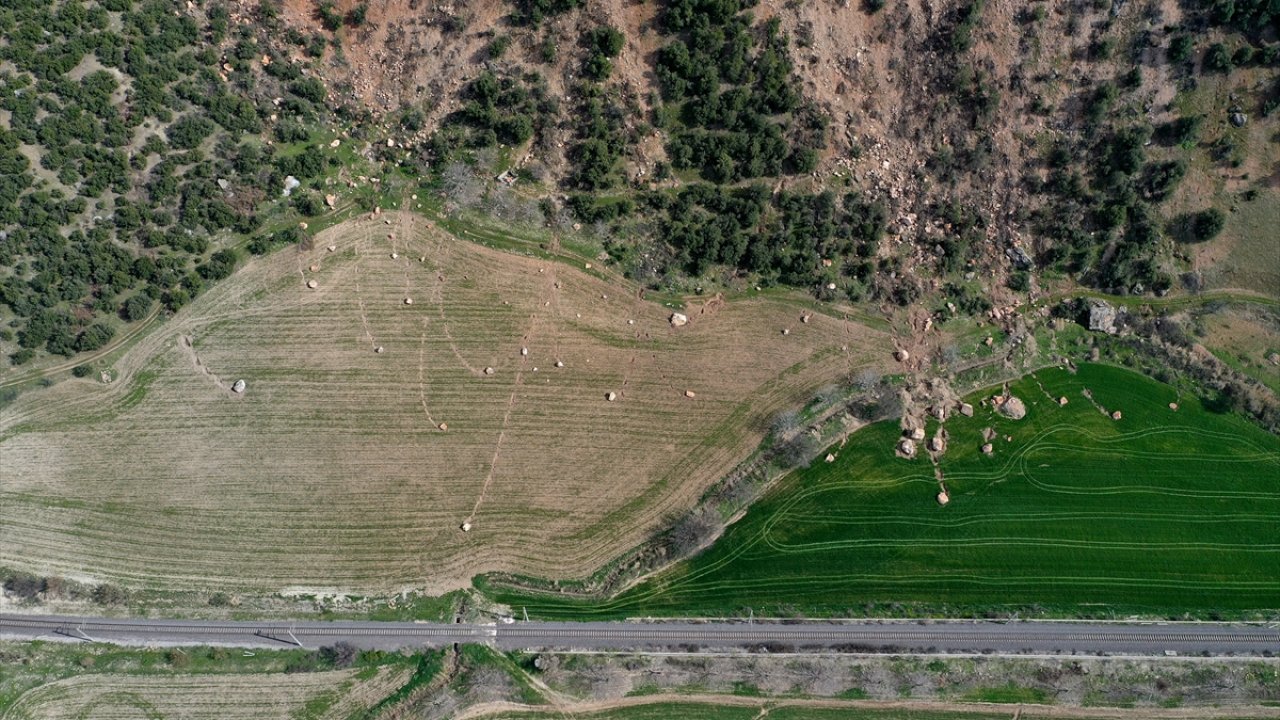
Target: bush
1180,49
109,594
1200,226
82,371
1218,58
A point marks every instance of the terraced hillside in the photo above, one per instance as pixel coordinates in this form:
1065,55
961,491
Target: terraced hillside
388,405
321,695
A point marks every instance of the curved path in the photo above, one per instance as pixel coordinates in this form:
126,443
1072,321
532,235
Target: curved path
1151,638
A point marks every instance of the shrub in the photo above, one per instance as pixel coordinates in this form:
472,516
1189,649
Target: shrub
1218,58
81,371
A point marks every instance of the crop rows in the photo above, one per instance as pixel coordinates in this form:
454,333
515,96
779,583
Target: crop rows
331,470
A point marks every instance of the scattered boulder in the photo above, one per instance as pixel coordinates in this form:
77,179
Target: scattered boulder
907,447
937,444
805,318
1173,407
1116,415
332,248
466,526
443,426
943,497
1062,401
1102,316
916,433
902,356
524,351
679,319
330,200
611,396
690,394
831,457
290,184
1013,408
559,363
786,331
966,409
238,386
378,349
488,371
395,256
408,301
988,448
1238,119
313,284
1020,258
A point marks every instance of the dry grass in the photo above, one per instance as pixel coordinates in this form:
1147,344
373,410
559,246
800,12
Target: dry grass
330,472
335,694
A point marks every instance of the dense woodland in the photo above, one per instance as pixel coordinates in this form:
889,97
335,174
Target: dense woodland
143,150
128,157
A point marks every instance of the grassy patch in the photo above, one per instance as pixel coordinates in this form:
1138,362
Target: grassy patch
1160,513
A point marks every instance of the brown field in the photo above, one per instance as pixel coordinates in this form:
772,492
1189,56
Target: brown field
330,471
320,695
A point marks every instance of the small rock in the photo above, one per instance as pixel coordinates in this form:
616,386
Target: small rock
786,331
332,248
831,457
988,448
238,387
1239,119
313,284
804,318
378,349
679,319
408,301
1062,401
1116,415
1173,407
395,256
488,371
907,447
902,355
524,351
611,396
690,394
330,200
466,526
943,498
444,426
559,364
966,409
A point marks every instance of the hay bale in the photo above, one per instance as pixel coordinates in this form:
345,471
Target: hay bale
238,387
611,396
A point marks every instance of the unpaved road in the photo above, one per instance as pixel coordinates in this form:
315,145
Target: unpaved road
857,636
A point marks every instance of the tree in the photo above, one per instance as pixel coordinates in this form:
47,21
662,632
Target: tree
189,131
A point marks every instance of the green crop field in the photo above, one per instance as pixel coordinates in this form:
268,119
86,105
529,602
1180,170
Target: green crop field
1161,512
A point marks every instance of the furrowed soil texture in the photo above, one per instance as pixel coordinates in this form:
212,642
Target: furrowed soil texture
423,382
1162,511
338,694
